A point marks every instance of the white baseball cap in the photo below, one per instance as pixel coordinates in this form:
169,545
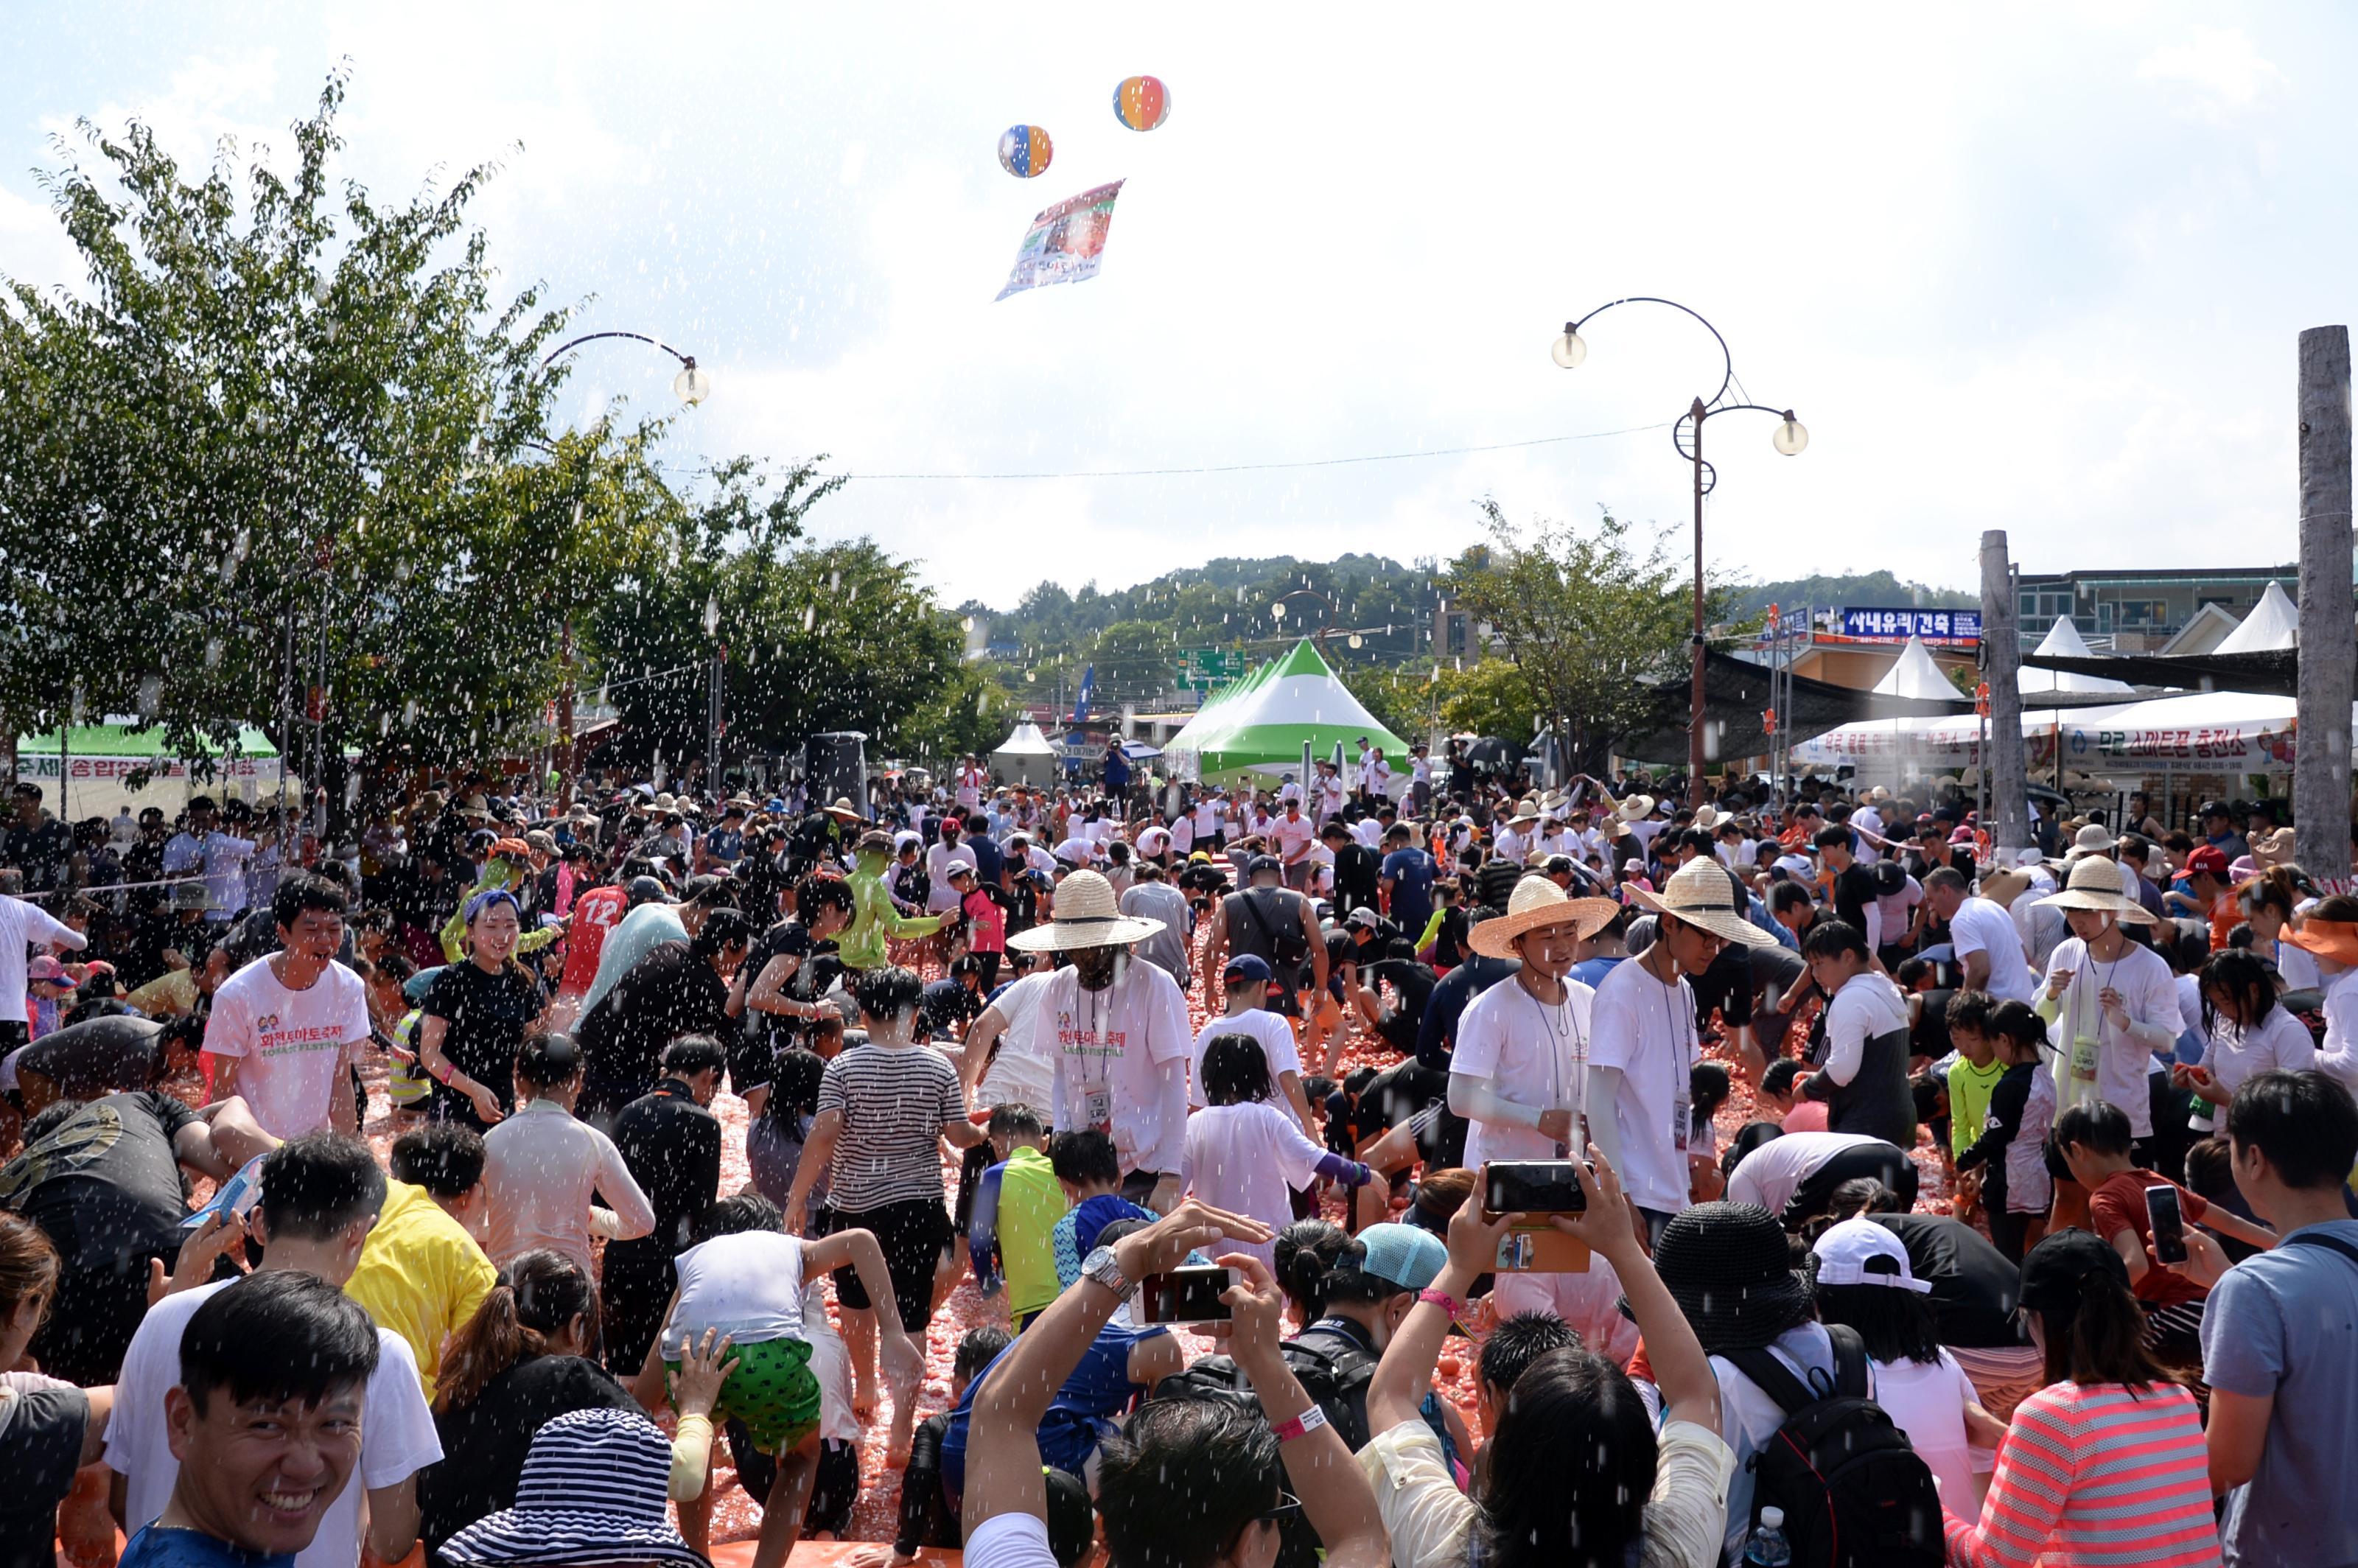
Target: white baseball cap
1861,1252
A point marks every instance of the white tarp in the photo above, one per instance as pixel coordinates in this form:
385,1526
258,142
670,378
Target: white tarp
2272,624
1915,675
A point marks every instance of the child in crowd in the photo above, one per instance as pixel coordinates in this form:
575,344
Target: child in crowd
1010,1238
2011,1149
1242,1152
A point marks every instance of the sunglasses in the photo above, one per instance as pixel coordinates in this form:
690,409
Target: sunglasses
1286,1503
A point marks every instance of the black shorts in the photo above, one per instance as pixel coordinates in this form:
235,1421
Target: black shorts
1884,1161
914,1237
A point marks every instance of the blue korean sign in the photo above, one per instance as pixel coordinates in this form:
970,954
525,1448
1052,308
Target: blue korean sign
1898,625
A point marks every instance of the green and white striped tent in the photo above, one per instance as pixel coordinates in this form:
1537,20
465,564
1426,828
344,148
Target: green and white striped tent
1266,718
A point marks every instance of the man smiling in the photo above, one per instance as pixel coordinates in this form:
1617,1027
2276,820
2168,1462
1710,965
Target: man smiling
265,1422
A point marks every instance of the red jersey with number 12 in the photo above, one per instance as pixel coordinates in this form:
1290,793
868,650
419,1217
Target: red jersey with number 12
594,914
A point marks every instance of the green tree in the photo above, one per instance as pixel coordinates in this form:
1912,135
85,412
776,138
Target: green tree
1134,661
291,450
1404,699
1592,621
1489,697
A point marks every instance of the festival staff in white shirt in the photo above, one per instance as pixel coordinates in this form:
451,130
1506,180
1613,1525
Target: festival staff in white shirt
1645,1045
1520,1078
1118,1031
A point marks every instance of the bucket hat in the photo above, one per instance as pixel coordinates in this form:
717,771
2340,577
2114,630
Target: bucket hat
591,1492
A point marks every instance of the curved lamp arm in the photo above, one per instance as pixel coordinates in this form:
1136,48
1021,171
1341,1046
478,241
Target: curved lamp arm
691,386
1572,335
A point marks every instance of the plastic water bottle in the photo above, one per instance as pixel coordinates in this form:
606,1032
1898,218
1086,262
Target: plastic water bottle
1768,1548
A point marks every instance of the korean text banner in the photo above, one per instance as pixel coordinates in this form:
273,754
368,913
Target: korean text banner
1898,625
1066,242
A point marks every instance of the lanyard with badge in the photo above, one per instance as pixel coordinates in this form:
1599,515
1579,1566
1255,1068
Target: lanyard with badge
1558,1038
2085,1046
1097,1102
1681,1081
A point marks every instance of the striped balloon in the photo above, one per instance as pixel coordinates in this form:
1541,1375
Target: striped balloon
1142,102
1025,151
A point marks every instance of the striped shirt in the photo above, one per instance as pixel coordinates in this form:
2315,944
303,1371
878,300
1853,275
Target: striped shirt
2096,1476
894,1100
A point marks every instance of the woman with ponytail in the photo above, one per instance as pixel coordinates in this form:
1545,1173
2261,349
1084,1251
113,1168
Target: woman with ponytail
521,1361
2107,1463
51,1427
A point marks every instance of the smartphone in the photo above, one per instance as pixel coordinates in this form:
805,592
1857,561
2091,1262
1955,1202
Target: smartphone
1185,1295
2168,1224
1533,1186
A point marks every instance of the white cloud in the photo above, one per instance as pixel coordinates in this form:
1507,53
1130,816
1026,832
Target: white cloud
2227,73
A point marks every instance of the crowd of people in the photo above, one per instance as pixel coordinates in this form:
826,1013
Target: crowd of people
1802,1179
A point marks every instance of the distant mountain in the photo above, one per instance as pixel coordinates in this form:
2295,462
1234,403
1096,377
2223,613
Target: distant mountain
1879,590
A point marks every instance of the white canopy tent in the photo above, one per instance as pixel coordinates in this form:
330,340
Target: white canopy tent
2274,624
1026,756
1915,675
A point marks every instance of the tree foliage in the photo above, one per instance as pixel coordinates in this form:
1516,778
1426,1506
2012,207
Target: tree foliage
1589,620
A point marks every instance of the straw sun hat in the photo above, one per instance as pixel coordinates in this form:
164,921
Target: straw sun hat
2096,884
1086,917
1537,902
1703,894
1635,808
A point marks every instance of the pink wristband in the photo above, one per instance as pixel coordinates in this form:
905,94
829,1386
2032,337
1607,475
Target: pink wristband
1443,1300
1309,1421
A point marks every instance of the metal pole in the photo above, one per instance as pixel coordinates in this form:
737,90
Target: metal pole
2320,769
2002,766
1694,703
712,725
565,721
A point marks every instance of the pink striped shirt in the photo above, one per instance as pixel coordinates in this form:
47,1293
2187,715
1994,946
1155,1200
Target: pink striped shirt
2094,1477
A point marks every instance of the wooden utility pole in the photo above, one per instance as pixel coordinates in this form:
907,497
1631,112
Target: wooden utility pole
2003,766
2321,776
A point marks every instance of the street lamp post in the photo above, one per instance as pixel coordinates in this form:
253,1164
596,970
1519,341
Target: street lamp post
1686,437
712,713
692,386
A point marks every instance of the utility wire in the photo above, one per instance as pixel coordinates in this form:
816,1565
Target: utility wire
1257,467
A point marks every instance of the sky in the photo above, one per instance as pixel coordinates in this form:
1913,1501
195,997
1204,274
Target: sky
2035,267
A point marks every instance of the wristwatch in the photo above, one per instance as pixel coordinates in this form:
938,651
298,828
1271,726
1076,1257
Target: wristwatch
1102,1266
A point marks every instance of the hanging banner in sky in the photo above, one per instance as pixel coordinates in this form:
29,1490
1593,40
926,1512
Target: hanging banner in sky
1066,242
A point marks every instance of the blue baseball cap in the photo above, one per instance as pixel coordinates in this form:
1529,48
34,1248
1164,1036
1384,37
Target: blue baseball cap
1408,1257
1244,966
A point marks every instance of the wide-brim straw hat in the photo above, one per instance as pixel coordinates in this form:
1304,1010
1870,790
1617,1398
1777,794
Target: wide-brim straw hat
2093,839
1088,916
1537,902
1703,895
842,807
1708,818
2002,888
591,1492
2096,884
1634,807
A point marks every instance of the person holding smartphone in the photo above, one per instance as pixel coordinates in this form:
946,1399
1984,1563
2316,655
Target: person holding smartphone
2094,1141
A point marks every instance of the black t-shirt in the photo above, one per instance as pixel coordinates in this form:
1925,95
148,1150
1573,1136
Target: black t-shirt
1854,891
98,1057
1495,883
1974,1289
1774,967
673,991
40,1444
1725,984
487,1012
947,1005
483,1445
760,1035
672,1147
105,1185
1355,868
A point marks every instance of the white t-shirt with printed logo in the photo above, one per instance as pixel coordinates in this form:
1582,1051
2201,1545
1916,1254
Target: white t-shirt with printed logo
1534,1054
1122,1057
291,1046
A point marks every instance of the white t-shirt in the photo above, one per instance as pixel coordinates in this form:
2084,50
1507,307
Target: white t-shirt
1532,1054
939,895
1368,831
21,925
1926,1401
1647,1030
749,1285
1770,1173
2149,995
1121,1056
1983,925
1010,1540
1894,907
1183,835
1512,847
2280,1044
1207,817
1022,1074
1277,1043
291,1047
1294,838
1248,1159
397,1437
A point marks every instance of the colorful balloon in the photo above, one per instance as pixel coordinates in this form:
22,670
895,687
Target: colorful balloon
1142,102
1025,151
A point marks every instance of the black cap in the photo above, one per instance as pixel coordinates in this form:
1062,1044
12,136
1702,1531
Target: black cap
1261,863
2215,808
2055,1272
646,889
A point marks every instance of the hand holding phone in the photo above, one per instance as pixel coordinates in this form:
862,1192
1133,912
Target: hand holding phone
1185,1295
1533,1186
2169,1222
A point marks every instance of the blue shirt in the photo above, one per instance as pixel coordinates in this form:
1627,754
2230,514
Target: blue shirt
155,1547
1591,972
1411,872
2284,1324
1437,1032
1078,1418
990,861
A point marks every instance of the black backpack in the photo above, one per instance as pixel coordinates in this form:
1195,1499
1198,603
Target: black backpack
1855,1494
1336,1383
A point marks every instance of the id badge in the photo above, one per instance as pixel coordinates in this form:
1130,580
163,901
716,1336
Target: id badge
1097,1108
1682,1125
2084,1056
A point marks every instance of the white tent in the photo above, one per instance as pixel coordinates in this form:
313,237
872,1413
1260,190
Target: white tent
2273,624
2062,642
1915,675
1026,756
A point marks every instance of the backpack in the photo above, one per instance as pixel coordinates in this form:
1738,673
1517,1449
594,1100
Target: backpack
1855,1494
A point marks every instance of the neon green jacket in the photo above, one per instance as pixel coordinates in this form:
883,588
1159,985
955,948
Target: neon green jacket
874,920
